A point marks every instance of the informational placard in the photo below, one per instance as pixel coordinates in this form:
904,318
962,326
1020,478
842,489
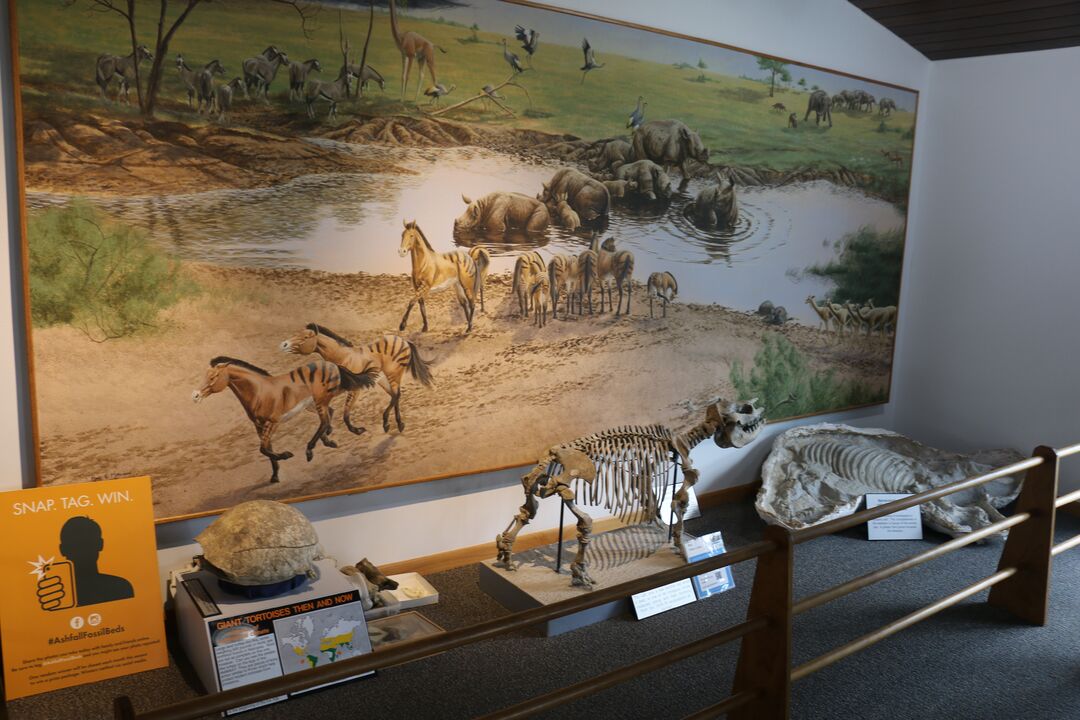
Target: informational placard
717,581
276,641
666,597
902,525
81,600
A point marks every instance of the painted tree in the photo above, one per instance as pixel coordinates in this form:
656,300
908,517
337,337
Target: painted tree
802,83
166,28
775,68
703,67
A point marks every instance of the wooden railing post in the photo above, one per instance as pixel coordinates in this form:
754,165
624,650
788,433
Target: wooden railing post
123,709
1030,545
765,656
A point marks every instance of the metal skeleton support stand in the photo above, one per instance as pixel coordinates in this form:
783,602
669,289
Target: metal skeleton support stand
674,489
558,552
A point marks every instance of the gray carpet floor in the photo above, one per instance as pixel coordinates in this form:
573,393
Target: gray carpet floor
972,662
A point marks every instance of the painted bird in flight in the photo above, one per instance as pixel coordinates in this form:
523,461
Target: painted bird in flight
590,60
530,39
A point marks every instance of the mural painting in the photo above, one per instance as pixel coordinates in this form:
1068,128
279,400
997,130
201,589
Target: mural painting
380,244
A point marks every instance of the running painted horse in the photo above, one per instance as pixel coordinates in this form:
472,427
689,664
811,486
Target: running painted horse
270,400
433,271
390,354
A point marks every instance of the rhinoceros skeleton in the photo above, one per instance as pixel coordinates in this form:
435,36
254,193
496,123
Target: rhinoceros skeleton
625,470
816,473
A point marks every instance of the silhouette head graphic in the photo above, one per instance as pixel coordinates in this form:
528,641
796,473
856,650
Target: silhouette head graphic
81,542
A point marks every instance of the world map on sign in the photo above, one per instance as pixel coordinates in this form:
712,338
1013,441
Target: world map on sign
313,639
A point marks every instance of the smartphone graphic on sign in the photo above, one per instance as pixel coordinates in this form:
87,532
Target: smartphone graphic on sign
56,587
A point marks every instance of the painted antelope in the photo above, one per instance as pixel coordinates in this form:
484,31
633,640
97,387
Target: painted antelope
822,312
223,99
366,74
433,271
270,400
298,77
332,92
893,157
841,315
482,258
122,68
260,71
187,76
527,269
204,84
391,355
878,318
619,266
663,286
860,323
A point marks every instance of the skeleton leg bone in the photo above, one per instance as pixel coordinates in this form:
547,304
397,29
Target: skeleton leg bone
579,569
680,501
504,541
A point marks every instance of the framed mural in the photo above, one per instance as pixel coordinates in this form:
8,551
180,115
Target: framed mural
254,205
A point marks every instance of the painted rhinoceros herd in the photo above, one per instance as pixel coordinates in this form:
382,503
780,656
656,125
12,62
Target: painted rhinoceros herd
619,171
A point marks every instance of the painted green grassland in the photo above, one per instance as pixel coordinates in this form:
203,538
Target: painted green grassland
734,116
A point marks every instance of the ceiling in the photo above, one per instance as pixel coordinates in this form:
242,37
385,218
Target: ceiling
943,29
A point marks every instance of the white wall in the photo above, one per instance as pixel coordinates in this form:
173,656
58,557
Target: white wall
990,343
400,523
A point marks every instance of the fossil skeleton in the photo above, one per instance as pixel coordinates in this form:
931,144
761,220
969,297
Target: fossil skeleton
816,473
625,470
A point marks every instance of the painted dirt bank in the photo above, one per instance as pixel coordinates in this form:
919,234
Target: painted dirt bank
506,380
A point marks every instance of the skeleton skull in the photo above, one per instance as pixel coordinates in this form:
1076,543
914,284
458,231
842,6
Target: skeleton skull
737,423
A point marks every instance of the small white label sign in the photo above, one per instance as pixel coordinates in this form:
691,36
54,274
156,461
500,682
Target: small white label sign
902,525
666,597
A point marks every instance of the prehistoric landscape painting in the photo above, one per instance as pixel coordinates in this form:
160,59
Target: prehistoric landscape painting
281,249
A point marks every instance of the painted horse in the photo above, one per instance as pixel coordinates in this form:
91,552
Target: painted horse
433,271
392,355
270,400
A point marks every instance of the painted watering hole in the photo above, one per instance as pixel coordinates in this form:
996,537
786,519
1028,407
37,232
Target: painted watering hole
353,222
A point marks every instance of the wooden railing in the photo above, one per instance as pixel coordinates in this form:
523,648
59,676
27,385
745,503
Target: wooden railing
763,674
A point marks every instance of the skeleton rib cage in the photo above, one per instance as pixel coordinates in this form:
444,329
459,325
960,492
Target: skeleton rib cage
633,466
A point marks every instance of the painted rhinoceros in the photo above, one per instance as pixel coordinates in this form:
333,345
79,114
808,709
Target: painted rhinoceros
667,143
651,180
588,197
498,212
612,155
715,206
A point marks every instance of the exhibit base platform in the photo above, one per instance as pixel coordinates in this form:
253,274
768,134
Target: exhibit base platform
614,557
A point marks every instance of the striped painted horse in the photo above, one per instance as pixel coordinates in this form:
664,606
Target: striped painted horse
270,400
391,355
433,271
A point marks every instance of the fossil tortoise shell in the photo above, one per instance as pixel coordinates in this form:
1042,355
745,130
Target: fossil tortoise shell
260,542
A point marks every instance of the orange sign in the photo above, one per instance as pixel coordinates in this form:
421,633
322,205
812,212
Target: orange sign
81,600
